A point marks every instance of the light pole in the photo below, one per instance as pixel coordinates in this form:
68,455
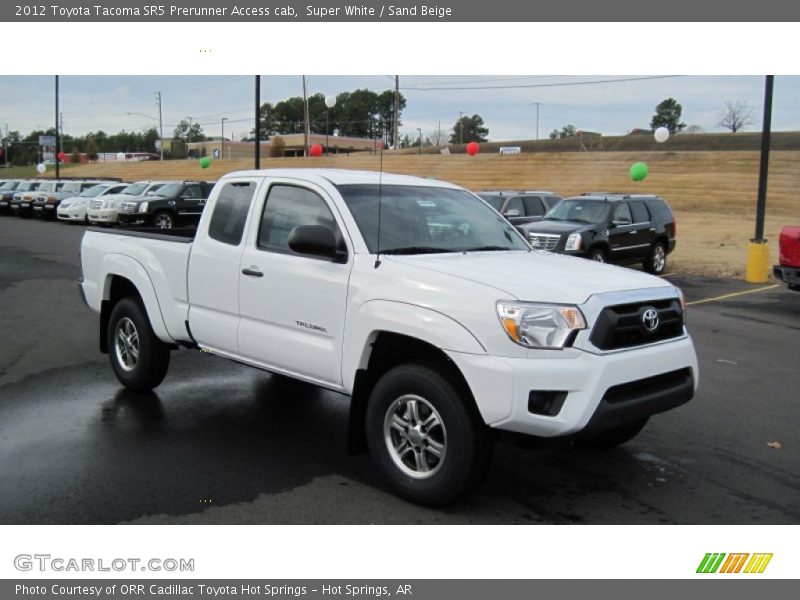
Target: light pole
330,102
222,148
160,127
420,139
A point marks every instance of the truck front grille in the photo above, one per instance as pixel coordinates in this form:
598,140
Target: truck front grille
128,207
626,326
544,241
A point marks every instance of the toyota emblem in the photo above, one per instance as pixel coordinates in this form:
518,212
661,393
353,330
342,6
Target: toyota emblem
650,319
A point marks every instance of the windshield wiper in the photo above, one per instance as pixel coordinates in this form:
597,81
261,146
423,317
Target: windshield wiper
486,249
416,250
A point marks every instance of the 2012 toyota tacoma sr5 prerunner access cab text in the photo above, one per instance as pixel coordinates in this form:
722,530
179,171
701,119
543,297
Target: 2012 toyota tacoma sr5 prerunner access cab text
414,297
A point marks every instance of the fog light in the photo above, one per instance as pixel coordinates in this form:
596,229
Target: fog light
546,403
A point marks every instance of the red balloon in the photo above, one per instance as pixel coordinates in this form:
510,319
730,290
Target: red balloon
473,148
61,156
316,150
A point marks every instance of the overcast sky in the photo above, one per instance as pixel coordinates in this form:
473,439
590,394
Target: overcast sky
90,103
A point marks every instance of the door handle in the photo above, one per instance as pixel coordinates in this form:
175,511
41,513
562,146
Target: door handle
635,231
252,272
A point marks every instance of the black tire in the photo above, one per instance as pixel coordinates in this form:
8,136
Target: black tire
794,287
147,369
656,261
598,255
163,219
611,438
465,441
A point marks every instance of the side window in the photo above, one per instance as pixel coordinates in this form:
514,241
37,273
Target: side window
288,207
533,206
193,191
515,204
639,212
551,201
622,212
230,212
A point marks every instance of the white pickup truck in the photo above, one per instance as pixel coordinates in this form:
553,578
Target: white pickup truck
414,297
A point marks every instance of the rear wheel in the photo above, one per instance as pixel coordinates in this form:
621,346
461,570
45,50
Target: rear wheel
426,435
139,359
611,438
163,220
656,261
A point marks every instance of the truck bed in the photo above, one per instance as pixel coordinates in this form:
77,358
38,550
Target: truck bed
156,260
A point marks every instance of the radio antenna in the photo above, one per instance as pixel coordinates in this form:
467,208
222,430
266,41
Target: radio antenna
380,198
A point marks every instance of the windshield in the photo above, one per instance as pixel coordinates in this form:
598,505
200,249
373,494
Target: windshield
135,189
421,219
50,186
580,211
168,190
93,191
9,185
495,201
72,186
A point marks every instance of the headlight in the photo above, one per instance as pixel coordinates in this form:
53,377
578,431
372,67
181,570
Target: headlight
540,325
143,207
573,242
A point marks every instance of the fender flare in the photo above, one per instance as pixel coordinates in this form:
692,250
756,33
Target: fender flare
120,265
425,324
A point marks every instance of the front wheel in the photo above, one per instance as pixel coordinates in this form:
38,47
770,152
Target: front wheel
656,261
139,359
425,433
163,220
598,255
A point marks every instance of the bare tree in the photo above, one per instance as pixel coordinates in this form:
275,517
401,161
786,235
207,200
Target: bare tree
693,129
438,137
736,116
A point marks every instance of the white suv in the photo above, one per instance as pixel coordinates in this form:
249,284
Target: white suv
75,208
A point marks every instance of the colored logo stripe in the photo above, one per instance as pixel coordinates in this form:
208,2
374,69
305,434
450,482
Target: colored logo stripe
758,563
713,562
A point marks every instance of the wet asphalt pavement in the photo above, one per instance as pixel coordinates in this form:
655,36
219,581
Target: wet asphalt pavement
222,443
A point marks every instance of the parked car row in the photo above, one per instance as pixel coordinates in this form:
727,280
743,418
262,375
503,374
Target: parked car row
602,226
162,204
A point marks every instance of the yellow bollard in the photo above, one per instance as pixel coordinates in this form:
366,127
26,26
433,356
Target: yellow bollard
757,262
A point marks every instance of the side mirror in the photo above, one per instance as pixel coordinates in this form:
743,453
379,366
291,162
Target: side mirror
513,212
315,240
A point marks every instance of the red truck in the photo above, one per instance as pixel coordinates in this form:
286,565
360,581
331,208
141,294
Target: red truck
789,269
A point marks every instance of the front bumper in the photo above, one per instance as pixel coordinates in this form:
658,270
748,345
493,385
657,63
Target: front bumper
502,387
134,218
102,215
790,275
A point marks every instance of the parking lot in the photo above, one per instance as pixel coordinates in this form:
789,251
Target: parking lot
222,443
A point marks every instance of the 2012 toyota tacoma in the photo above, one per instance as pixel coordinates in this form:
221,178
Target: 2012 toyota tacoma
412,296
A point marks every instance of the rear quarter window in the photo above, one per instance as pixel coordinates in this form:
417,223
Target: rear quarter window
659,210
230,212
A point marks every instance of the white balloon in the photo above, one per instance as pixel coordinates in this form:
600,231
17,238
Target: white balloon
41,168
120,156
661,134
330,101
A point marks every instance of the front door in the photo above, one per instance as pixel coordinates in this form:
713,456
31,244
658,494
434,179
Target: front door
293,305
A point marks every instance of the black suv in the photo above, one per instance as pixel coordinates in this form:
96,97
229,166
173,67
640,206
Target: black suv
520,207
173,204
616,228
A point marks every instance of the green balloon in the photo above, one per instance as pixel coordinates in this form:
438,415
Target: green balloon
205,162
638,171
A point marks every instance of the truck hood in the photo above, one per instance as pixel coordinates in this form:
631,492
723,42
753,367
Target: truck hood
559,227
534,276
